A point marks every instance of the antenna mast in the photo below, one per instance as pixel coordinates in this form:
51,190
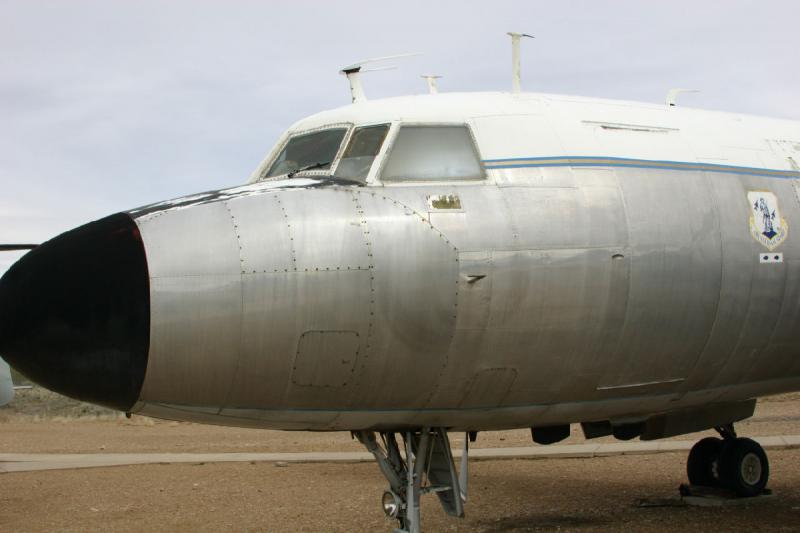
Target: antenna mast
433,88
353,75
516,85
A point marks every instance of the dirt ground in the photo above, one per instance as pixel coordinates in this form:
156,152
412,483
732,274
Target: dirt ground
597,494
513,495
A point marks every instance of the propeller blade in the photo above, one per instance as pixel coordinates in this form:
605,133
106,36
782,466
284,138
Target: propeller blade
15,247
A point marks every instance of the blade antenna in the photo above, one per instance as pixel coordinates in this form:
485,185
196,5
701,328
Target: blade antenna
353,74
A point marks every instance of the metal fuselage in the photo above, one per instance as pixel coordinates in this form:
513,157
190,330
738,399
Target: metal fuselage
6,384
605,269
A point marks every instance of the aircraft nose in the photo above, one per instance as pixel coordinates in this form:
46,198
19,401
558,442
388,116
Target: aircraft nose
75,313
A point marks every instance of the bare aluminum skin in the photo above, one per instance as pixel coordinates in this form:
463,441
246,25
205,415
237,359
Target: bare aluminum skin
585,294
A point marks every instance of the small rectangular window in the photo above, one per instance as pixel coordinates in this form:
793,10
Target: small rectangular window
311,151
361,152
432,153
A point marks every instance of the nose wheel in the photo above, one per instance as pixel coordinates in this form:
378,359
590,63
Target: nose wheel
734,463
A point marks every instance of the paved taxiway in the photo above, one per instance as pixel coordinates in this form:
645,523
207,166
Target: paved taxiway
29,462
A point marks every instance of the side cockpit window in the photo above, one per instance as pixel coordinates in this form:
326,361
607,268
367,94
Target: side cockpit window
365,143
308,151
432,153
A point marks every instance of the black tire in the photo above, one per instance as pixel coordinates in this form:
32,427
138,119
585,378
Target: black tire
743,467
700,465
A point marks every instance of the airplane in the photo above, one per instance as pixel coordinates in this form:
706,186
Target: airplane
7,387
6,384
405,267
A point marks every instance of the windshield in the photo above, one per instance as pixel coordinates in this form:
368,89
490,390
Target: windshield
365,143
309,150
425,153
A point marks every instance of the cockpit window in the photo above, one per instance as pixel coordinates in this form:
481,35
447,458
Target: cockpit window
364,146
432,153
308,151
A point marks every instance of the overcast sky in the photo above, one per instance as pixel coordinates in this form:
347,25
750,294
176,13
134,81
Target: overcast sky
107,105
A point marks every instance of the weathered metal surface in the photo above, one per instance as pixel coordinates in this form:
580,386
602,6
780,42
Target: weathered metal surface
195,302
628,293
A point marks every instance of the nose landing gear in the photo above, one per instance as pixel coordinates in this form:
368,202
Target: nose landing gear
423,464
734,463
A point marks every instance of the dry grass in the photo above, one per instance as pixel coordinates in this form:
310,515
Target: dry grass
39,404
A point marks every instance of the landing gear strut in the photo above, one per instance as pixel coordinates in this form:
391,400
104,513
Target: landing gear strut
425,465
734,463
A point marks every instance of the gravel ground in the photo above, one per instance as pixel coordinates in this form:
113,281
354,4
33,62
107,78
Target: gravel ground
513,495
597,494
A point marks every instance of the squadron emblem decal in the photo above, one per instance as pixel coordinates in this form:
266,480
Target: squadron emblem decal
766,224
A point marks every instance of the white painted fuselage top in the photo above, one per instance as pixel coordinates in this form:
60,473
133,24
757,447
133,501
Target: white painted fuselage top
530,130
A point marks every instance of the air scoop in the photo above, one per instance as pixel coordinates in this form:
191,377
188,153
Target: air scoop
75,313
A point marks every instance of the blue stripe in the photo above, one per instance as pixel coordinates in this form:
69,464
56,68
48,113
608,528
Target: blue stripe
603,161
